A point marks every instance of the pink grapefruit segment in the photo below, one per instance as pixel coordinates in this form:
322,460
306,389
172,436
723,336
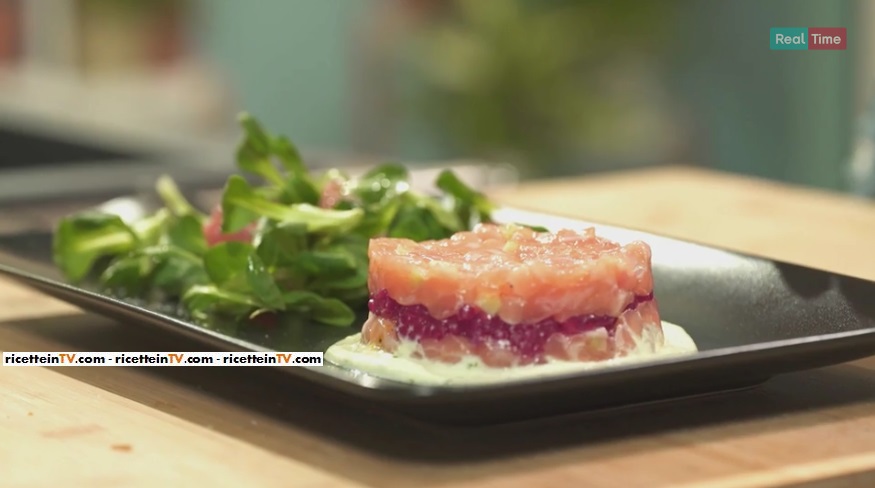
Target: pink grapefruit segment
213,230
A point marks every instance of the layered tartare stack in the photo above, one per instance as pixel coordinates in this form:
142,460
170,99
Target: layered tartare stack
512,296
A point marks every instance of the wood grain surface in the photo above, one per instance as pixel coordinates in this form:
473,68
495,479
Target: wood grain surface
120,427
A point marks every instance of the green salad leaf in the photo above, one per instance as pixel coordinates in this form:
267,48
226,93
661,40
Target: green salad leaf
241,206
175,201
469,206
187,233
80,240
158,272
284,242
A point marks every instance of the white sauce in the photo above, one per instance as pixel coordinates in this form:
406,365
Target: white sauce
351,353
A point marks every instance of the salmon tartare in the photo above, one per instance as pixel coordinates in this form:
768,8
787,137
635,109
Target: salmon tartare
512,296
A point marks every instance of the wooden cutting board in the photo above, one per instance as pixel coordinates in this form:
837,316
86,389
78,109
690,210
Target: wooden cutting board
106,427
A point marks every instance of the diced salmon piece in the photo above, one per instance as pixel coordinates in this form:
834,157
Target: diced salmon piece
639,329
380,332
450,349
513,272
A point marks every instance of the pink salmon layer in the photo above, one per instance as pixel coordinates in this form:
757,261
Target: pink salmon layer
520,275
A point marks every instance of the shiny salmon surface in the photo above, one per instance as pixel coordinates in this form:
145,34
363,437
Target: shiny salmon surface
512,296
513,272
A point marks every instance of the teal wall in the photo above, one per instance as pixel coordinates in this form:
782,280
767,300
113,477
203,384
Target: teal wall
786,115
778,114
287,60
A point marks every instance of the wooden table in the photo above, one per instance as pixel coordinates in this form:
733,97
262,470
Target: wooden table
106,427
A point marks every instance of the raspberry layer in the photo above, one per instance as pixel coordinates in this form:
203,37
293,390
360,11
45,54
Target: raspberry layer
472,330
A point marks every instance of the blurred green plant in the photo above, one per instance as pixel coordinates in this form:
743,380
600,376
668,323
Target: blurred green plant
523,81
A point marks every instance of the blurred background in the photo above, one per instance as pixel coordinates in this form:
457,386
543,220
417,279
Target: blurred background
549,88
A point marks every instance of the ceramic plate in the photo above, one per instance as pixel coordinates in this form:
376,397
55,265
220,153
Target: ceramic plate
751,318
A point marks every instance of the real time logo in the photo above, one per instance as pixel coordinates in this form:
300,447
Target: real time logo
808,38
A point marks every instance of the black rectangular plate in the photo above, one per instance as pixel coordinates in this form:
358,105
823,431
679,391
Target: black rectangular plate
752,318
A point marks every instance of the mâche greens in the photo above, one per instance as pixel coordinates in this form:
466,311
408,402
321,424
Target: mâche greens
301,239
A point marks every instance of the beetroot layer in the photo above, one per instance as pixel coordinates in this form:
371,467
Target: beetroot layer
413,322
